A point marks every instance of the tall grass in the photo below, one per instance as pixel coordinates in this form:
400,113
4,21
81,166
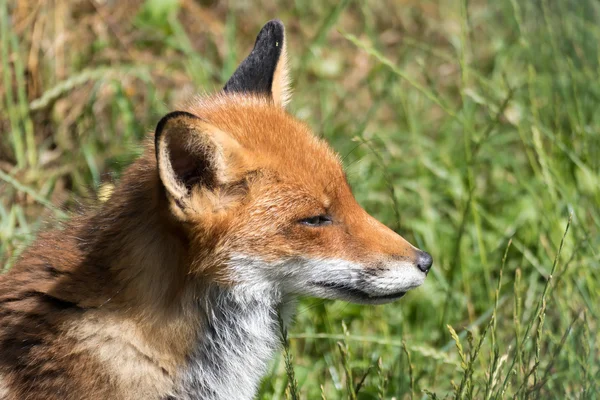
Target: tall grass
470,127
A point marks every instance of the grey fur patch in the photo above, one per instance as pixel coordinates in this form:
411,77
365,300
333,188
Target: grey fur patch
239,338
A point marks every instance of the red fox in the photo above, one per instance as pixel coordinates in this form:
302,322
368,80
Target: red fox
172,289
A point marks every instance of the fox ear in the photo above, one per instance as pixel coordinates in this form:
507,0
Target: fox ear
190,154
265,70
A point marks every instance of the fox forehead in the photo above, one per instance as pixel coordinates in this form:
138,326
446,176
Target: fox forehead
273,140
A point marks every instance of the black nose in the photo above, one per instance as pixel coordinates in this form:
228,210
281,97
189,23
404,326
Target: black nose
424,261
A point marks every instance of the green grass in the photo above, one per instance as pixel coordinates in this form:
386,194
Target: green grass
470,127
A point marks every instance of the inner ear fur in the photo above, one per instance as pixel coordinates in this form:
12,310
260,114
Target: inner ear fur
265,70
191,154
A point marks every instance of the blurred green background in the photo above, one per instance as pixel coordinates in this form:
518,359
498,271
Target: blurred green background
470,127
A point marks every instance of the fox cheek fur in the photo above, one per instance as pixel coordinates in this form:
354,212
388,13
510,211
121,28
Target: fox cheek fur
174,287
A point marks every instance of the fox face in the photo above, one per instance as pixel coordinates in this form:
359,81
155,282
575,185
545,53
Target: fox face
174,287
265,204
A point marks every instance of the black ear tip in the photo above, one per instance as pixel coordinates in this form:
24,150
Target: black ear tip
163,121
161,125
274,25
255,74
272,31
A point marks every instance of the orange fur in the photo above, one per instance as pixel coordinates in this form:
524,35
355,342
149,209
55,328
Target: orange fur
201,244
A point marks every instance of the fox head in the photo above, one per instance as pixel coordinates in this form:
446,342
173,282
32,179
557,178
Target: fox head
265,204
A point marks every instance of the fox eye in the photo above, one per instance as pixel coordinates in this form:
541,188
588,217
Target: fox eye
316,221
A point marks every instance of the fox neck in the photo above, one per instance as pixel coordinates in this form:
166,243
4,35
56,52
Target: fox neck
239,336
224,336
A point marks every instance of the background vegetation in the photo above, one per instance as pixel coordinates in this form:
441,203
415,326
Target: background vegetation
471,127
